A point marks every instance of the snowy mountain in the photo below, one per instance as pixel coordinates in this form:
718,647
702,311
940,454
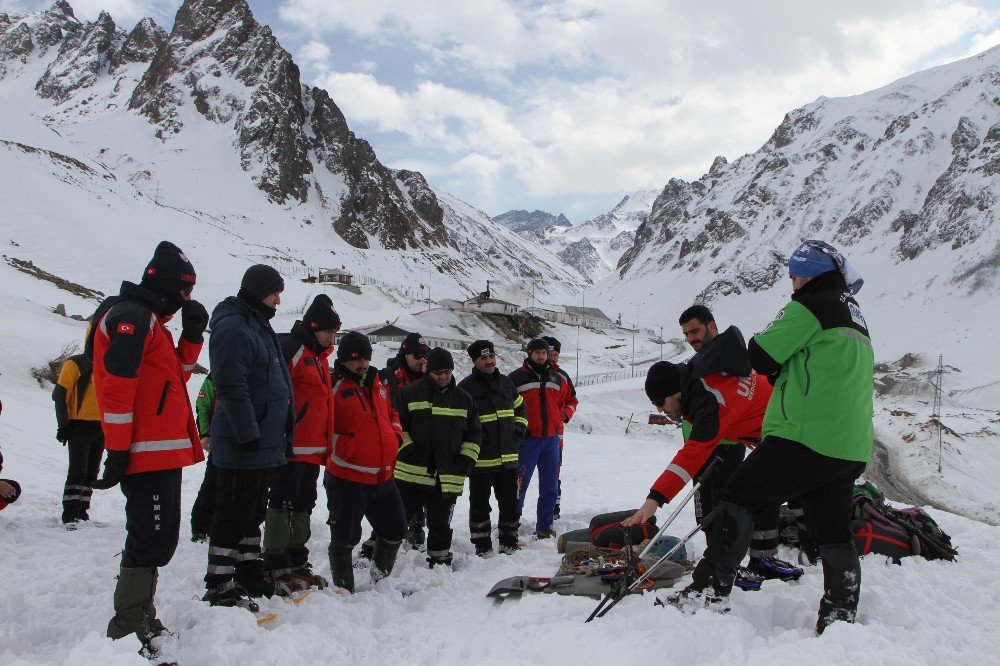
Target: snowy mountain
594,247
535,224
216,107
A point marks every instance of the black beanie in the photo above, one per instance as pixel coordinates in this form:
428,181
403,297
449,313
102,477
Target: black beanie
480,348
321,316
353,346
440,359
537,343
414,343
554,344
169,263
261,281
662,380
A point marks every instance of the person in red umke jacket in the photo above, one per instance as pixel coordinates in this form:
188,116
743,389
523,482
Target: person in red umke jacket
292,487
359,470
149,429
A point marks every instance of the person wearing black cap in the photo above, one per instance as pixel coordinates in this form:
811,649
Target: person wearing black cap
542,390
502,415
250,432
722,398
409,365
292,487
149,430
360,462
441,442
568,407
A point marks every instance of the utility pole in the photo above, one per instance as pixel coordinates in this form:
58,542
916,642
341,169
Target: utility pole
634,331
939,374
584,300
661,343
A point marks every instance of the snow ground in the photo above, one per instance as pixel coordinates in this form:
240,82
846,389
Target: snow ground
56,586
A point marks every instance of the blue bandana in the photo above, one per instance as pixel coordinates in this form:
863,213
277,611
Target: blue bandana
814,257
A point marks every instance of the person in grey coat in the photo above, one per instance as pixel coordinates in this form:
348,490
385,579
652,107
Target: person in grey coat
251,432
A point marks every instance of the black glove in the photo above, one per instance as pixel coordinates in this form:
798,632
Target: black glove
194,321
62,434
114,470
468,464
251,446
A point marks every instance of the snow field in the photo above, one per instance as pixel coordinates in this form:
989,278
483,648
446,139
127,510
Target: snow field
57,586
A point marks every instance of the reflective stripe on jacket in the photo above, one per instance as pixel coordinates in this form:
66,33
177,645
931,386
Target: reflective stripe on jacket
542,392
499,406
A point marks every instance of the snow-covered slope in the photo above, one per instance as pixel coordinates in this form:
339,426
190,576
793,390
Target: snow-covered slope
212,120
57,585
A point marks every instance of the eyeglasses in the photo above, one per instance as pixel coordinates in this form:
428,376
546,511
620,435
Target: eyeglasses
420,356
441,373
659,403
187,291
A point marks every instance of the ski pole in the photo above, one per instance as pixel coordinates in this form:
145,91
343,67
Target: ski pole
687,498
601,611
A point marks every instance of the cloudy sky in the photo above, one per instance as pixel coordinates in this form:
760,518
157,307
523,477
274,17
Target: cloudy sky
566,105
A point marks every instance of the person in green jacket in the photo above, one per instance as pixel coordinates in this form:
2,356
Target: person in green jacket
204,503
816,436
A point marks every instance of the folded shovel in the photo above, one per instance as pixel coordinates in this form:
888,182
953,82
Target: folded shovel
518,584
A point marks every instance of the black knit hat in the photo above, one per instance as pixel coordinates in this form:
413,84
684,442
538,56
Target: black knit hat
554,344
169,263
353,346
537,343
414,344
481,348
321,316
662,380
440,359
260,281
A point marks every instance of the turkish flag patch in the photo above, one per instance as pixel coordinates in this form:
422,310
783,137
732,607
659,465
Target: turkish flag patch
126,328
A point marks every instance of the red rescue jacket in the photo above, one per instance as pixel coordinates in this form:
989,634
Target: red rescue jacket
312,387
723,399
367,434
140,377
568,399
543,396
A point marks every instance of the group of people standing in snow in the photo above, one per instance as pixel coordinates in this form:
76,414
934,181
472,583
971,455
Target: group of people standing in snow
397,445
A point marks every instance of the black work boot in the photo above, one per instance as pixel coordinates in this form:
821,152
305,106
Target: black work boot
342,567
415,534
841,585
483,546
230,594
368,546
384,558
134,611
252,576
439,559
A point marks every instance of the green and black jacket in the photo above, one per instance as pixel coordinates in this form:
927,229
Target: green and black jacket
819,348
441,435
205,406
503,417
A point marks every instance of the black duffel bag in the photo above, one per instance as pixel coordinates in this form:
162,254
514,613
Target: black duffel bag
606,530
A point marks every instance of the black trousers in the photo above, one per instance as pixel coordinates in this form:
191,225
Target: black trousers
204,504
502,483
439,510
152,517
779,470
708,496
349,502
293,486
85,447
234,538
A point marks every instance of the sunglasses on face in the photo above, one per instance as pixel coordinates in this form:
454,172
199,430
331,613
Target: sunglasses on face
420,356
441,373
187,291
659,403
